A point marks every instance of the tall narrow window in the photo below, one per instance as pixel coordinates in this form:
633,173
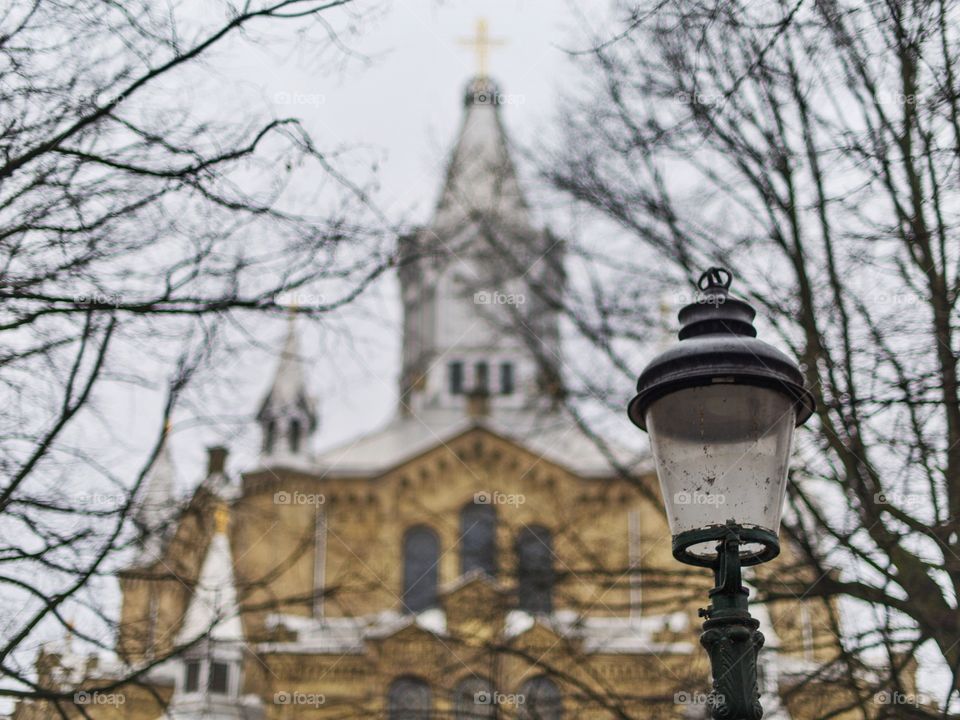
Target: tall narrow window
270,435
294,436
408,699
506,378
473,699
219,678
455,372
541,700
482,379
478,533
421,555
535,576
191,680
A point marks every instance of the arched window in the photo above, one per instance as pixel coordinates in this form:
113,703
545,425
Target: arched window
421,555
478,538
408,699
541,700
535,576
473,699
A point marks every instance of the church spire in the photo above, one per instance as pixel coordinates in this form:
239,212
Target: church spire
213,611
481,283
156,504
210,680
481,179
288,415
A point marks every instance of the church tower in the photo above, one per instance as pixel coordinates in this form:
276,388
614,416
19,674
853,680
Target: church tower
481,284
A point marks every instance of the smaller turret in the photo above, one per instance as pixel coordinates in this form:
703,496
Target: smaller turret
155,508
209,678
288,415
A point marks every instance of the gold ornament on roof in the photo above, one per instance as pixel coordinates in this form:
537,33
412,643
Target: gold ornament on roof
221,519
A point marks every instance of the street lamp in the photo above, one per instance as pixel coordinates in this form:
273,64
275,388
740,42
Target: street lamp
720,407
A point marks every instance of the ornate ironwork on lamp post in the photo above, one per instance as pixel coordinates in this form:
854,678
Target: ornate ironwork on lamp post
721,407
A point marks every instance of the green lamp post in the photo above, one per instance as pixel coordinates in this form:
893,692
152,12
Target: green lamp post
720,407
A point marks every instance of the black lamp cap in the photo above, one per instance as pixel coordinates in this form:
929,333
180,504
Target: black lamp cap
718,344
715,310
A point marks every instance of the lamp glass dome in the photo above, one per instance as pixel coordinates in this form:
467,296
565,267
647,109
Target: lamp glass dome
722,451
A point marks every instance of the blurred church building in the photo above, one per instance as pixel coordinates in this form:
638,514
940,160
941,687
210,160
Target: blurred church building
481,555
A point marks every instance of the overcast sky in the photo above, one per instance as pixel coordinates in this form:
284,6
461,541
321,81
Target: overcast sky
395,100
401,94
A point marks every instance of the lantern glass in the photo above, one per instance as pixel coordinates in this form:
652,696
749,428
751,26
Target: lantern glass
722,453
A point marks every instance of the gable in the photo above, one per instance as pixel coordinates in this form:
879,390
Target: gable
481,448
550,437
540,640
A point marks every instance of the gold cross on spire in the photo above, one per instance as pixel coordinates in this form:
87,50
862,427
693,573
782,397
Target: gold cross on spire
481,43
